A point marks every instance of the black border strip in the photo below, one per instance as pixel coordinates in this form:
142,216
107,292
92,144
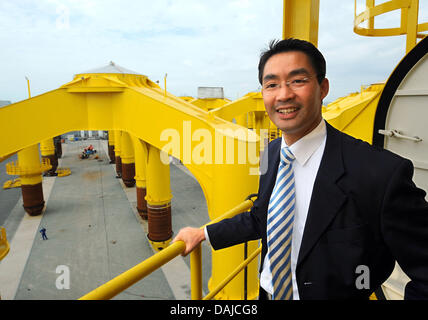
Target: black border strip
405,65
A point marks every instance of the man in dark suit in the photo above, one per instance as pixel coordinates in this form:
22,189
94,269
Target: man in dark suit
347,206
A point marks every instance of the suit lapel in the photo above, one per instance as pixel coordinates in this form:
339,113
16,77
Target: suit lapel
268,180
327,198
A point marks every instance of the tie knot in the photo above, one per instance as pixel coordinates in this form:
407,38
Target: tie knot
287,156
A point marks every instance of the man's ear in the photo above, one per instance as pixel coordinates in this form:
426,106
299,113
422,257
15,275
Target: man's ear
324,88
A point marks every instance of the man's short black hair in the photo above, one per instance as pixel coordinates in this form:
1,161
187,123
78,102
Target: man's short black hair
278,46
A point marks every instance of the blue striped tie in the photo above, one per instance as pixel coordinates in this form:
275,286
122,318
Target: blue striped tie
280,227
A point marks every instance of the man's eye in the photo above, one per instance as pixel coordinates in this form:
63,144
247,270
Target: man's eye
270,85
298,81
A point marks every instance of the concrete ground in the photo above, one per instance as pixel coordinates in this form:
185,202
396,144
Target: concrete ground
94,234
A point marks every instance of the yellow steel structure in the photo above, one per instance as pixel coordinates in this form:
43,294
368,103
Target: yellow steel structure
4,244
160,123
208,103
248,111
63,172
47,147
47,150
111,143
408,23
354,114
127,149
301,20
187,98
158,194
14,183
28,166
131,102
117,134
251,102
158,182
140,149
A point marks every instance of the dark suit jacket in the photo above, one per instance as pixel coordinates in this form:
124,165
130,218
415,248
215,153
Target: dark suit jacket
365,210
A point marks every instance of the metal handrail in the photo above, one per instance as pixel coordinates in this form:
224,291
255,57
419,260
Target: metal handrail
234,273
128,278
141,270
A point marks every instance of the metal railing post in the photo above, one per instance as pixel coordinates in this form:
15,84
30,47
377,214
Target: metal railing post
196,273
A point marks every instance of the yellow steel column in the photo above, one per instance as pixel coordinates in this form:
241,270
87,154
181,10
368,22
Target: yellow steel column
228,192
369,4
158,199
117,151
30,171
47,149
111,141
301,20
140,148
128,160
412,24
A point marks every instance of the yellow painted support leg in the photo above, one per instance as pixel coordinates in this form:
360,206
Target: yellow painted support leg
227,193
158,198
111,142
47,149
140,149
128,160
30,171
301,20
118,151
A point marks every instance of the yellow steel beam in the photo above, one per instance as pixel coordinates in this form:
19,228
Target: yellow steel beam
252,101
300,20
209,104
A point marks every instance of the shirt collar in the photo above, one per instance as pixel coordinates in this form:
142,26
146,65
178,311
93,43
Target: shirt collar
305,147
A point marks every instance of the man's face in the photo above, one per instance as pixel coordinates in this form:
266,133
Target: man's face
295,109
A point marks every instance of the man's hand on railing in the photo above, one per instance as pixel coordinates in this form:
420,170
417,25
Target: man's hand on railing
191,237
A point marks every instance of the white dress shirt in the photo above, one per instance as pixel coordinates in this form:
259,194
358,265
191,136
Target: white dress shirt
308,152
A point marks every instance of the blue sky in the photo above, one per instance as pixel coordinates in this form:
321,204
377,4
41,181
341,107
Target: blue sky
197,42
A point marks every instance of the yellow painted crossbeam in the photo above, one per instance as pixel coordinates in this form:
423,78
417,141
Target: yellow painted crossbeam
251,102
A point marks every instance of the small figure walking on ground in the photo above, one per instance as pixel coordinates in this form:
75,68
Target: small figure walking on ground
43,232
